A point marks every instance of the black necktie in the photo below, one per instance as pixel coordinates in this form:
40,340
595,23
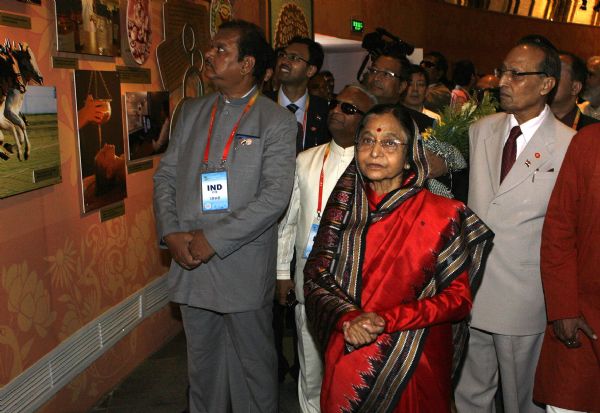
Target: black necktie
509,153
292,107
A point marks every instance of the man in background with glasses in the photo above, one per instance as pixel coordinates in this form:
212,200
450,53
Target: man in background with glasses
300,60
317,171
514,160
387,78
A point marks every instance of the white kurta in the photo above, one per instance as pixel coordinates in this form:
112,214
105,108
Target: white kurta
294,230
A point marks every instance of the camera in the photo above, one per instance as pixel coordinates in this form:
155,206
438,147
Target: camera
375,43
382,42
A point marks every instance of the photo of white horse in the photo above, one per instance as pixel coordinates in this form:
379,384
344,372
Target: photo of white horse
29,150
42,168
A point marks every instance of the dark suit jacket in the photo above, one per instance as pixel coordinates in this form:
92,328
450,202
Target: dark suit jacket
584,120
316,122
423,121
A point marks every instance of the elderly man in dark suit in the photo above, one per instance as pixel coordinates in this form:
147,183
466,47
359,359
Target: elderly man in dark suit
300,60
219,189
514,161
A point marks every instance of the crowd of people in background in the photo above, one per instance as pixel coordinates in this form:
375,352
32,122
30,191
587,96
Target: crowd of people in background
403,296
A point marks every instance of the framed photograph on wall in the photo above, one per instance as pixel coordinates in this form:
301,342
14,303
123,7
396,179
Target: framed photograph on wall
289,18
139,29
88,27
148,123
35,163
100,132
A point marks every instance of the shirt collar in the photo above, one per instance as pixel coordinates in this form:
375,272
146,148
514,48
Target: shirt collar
343,152
240,101
284,100
529,128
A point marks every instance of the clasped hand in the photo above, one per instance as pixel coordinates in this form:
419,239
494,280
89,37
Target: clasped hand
189,249
363,330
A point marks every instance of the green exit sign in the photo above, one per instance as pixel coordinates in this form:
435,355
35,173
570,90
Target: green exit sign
357,26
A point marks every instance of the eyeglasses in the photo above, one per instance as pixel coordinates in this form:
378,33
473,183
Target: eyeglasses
514,75
291,57
427,64
387,74
347,108
387,145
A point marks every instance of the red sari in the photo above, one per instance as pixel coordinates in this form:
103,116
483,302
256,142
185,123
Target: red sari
412,257
392,267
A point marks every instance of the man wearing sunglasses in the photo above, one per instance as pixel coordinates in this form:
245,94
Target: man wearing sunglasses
300,60
438,91
316,168
515,158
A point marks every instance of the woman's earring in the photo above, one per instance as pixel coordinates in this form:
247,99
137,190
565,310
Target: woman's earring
406,166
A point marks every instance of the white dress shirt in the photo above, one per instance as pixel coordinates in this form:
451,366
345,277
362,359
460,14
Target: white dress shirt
528,129
301,103
295,226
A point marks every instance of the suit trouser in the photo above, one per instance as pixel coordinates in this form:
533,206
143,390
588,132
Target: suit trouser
311,365
231,361
513,358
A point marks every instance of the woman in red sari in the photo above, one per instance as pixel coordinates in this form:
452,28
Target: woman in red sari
390,277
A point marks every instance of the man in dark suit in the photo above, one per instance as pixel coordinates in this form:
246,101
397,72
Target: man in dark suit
572,81
300,60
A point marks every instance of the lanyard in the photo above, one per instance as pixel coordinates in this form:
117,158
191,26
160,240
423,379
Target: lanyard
321,180
304,120
576,121
233,131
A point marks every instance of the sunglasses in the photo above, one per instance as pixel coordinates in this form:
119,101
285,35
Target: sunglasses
427,64
347,108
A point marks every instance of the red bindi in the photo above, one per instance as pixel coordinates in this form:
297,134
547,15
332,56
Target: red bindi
378,129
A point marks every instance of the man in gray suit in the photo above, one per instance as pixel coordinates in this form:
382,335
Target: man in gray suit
224,181
515,158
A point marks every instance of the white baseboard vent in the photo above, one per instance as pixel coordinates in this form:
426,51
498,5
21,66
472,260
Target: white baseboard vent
40,382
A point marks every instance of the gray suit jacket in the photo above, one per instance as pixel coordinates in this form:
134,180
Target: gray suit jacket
510,300
241,276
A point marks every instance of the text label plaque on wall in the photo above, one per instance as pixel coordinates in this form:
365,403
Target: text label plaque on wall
15,20
129,74
65,63
112,211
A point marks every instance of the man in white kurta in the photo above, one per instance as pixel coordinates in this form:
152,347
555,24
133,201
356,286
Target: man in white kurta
324,163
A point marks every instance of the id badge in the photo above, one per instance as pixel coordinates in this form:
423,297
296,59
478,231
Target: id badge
215,195
311,237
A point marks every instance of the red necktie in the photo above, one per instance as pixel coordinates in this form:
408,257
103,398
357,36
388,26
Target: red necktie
509,153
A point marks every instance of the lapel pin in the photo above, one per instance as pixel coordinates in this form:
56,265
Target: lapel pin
528,163
537,155
246,142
